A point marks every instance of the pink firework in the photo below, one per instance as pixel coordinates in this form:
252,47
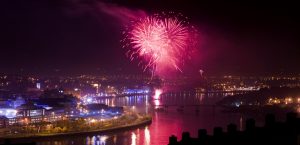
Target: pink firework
161,41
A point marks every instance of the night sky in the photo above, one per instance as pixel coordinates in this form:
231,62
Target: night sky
74,36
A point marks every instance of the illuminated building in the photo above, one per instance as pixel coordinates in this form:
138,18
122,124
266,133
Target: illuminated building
31,112
3,121
38,86
8,112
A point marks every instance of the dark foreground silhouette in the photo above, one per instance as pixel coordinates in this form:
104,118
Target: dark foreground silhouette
272,133
8,142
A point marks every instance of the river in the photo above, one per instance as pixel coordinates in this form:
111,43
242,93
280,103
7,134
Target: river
165,123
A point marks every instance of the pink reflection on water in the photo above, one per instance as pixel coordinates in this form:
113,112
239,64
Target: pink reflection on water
147,136
133,138
156,103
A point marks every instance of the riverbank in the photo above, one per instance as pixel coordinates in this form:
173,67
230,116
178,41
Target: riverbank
143,121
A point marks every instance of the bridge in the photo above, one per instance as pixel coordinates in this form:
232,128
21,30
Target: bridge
180,107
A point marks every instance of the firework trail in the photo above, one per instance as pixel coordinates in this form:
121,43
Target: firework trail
160,42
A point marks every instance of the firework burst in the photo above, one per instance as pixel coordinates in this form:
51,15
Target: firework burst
160,41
